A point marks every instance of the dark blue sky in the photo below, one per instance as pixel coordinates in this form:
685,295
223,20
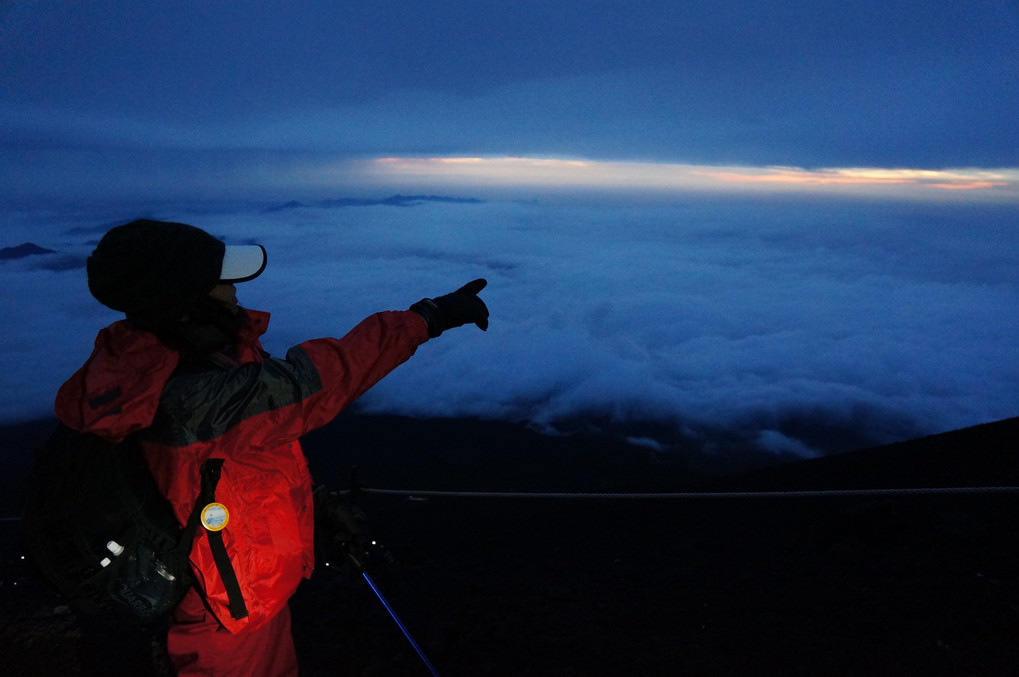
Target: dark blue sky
120,88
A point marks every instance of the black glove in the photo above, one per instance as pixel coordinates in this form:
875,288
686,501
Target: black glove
454,310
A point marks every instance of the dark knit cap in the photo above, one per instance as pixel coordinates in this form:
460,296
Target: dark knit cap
152,270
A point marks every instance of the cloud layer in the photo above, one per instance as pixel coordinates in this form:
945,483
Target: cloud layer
793,325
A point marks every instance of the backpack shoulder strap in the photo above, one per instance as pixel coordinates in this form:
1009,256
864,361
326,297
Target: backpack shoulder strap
211,470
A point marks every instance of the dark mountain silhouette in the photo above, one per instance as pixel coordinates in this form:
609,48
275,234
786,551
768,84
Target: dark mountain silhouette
293,204
393,201
23,250
898,584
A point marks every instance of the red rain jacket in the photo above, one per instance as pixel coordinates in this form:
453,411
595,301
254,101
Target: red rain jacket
249,411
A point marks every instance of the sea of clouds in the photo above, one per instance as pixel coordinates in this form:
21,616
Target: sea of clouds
799,325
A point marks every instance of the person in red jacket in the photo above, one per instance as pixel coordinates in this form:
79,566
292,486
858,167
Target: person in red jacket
186,371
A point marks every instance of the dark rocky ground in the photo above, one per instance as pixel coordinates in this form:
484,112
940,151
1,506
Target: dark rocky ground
853,586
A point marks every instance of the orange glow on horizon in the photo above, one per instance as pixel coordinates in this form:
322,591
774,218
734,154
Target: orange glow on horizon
555,173
972,185
802,178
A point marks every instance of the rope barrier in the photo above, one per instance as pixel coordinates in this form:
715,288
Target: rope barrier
920,491
863,493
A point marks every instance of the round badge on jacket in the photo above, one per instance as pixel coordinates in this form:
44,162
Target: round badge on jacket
215,516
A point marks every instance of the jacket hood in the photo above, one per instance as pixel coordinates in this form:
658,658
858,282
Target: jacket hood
117,391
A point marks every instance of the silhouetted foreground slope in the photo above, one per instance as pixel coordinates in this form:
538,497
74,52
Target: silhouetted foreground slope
903,585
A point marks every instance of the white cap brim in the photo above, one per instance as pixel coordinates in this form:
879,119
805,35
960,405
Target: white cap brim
242,263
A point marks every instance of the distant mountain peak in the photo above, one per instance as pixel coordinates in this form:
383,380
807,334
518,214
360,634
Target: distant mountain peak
293,204
397,200
23,250
436,198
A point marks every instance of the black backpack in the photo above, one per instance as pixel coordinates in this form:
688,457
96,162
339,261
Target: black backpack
97,528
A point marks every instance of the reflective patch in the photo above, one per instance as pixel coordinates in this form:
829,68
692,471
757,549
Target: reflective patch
105,398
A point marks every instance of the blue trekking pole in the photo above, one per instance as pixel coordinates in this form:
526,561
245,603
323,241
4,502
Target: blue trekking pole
350,535
399,623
